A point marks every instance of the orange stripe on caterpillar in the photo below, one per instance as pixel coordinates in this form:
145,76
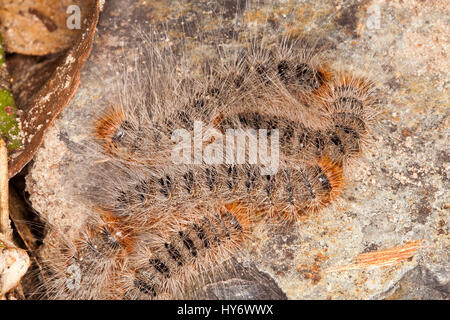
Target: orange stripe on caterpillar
326,75
108,129
334,174
117,230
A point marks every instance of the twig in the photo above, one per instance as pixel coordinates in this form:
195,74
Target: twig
5,225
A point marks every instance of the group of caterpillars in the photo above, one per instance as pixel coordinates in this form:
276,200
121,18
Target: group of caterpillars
155,225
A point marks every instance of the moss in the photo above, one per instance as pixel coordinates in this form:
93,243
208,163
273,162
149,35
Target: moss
9,125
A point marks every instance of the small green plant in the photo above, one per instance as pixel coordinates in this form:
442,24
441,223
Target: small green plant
9,122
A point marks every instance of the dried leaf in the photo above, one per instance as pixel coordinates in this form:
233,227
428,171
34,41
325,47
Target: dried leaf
14,262
40,108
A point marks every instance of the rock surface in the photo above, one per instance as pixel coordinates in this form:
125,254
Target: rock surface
389,236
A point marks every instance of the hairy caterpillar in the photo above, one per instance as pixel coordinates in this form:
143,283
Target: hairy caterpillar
156,226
